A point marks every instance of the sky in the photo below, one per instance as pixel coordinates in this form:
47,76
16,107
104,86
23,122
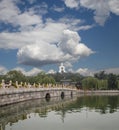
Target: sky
39,35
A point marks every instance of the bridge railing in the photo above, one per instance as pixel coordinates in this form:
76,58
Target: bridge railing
10,86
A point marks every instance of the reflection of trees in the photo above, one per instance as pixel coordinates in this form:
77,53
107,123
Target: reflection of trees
102,104
21,111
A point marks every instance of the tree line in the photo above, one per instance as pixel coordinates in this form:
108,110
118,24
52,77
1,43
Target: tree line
100,80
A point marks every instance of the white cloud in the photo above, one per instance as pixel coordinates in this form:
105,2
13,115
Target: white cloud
3,70
58,9
68,65
10,13
101,8
84,27
51,71
45,52
88,72
85,72
114,6
38,42
32,72
72,3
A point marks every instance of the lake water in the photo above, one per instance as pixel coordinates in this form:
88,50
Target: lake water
77,113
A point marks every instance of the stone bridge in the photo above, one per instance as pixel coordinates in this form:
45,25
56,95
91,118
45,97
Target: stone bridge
9,96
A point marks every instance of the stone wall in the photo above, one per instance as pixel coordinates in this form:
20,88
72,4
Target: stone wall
9,96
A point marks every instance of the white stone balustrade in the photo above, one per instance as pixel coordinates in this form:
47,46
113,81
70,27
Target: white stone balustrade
21,85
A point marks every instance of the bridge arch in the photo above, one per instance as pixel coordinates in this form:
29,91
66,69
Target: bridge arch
62,95
71,94
47,96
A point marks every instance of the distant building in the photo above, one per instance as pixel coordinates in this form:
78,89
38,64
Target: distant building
62,68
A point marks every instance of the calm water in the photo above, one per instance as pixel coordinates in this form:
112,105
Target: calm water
82,113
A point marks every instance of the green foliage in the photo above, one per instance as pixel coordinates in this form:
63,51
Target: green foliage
90,83
0,86
100,75
74,77
102,84
14,85
48,80
118,84
100,80
14,76
112,81
94,83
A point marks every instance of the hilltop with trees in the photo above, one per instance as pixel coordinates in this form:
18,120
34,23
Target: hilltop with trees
100,80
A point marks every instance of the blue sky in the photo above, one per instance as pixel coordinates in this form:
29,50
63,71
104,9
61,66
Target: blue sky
38,35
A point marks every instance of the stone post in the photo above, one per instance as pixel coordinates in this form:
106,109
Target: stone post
3,83
17,84
29,85
25,85
39,85
10,83
34,85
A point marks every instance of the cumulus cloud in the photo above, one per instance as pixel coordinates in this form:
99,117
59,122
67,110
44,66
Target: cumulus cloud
51,71
10,13
88,72
41,53
72,3
85,72
40,42
32,72
101,8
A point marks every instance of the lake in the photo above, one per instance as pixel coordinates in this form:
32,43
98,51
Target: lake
86,112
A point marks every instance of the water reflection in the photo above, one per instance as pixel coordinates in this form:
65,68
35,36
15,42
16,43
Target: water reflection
13,113
58,111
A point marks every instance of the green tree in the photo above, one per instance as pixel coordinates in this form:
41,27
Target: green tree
15,76
48,80
100,75
103,84
118,84
90,83
112,81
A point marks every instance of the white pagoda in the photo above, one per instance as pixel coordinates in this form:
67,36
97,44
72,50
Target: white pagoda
62,68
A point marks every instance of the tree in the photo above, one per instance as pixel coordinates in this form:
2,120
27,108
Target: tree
102,84
100,75
48,80
90,83
118,84
112,81
15,76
